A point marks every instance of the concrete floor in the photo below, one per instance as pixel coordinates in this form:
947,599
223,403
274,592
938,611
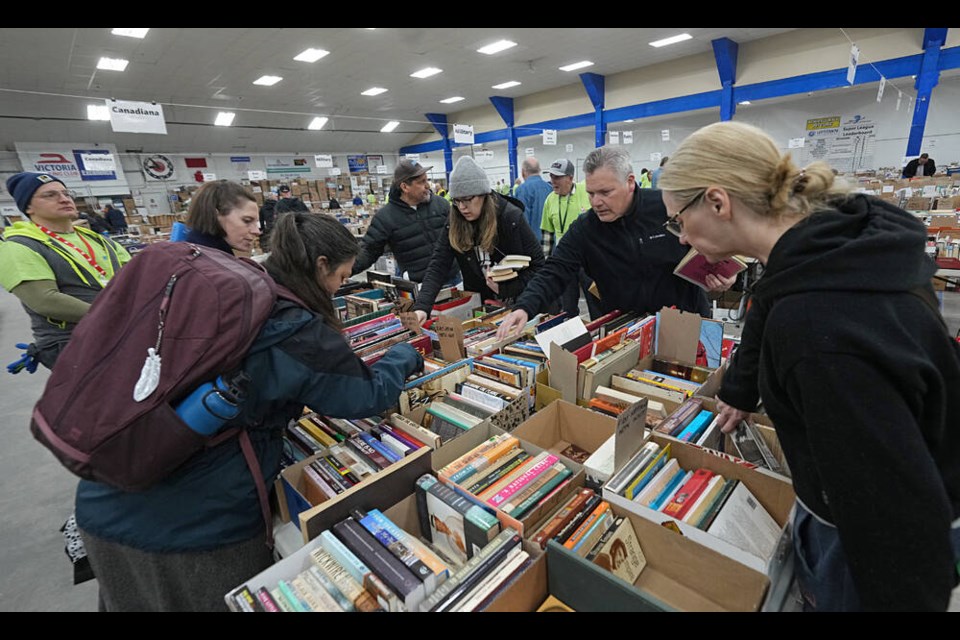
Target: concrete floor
37,493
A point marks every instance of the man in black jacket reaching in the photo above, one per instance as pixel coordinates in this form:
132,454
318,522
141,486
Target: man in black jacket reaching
410,223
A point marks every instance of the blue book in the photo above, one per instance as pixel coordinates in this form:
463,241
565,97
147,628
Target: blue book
675,483
696,426
379,446
534,367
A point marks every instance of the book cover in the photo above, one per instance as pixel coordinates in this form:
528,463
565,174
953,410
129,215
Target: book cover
393,443
688,493
623,383
394,573
433,561
281,600
399,546
481,395
743,522
541,463
467,405
620,552
695,268
602,508
414,430
696,510
457,527
696,427
647,473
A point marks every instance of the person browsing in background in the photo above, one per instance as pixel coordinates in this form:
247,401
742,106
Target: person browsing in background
620,243
482,229
223,215
195,535
287,201
116,219
655,174
856,368
516,185
920,167
411,223
645,179
333,204
562,206
532,192
56,269
357,201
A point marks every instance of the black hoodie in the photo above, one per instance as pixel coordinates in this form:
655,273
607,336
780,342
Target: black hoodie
863,385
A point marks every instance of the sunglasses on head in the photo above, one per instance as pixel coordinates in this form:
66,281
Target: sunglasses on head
673,223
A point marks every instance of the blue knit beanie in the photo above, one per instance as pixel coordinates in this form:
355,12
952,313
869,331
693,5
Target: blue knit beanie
22,186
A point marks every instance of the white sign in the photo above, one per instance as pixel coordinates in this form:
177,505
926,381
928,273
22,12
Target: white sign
852,67
463,133
98,161
334,171
550,137
887,188
795,143
569,148
353,182
323,161
413,156
614,137
209,177
136,117
665,134
883,83
484,154
257,175
655,157
628,137
528,151
381,168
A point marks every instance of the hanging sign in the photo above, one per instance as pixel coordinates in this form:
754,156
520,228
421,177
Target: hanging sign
614,137
883,83
852,66
550,137
483,154
528,151
136,117
569,148
257,175
795,143
334,171
209,177
463,133
628,137
665,135
323,161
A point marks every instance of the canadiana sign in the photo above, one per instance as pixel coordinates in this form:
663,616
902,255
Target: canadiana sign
136,117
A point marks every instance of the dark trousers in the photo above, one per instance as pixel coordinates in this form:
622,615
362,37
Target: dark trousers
570,298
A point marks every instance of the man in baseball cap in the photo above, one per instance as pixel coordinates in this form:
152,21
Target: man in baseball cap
410,223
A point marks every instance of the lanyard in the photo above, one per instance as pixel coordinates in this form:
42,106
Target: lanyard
90,257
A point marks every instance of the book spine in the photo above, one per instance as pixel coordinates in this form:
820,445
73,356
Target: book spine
603,539
266,601
413,430
403,436
326,427
593,533
314,477
313,591
393,572
361,599
293,597
685,497
485,459
698,424
563,516
428,557
318,434
491,580
487,564
398,548
542,462
464,461
670,490
498,472
378,446
332,478
359,465
567,530
336,464
581,531
647,473
622,478
496,486
304,439
540,493
458,576
679,418
281,600
369,453
328,585
394,444
243,600
343,556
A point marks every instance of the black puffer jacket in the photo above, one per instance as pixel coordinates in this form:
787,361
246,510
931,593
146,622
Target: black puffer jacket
514,237
410,233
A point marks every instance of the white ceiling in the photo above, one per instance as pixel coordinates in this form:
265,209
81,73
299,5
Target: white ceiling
195,72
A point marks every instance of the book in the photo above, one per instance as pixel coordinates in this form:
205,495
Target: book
426,555
658,483
688,493
282,602
244,601
619,551
601,508
267,601
383,450
514,261
455,525
696,427
296,602
392,571
680,418
317,432
512,562
394,443
399,545
414,430
403,436
619,481
743,522
316,489
331,476
563,515
538,465
593,534
489,558
696,510
347,559
495,472
664,381
479,457
482,395
751,446
539,489
567,530
647,473
695,268
359,465
623,383
679,478
316,577
361,447
716,503
360,598
679,370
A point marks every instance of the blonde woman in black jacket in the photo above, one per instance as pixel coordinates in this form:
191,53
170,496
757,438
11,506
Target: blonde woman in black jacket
483,227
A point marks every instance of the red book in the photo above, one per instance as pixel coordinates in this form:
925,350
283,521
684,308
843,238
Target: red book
688,494
602,320
695,268
600,345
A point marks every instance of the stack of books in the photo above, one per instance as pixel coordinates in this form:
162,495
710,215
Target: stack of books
508,267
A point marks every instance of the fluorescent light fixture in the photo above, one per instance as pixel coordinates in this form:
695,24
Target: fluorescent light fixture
371,28
112,64
267,81
505,85
310,55
130,33
390,126
452,100
97,112
496,47
373,91
630,120
426,73
577,65
671,40
224,118
744,102
317,123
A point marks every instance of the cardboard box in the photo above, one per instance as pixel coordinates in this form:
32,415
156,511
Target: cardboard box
918,203
680,575
385,489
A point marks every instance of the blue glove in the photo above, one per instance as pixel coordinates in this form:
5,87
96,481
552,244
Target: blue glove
27,361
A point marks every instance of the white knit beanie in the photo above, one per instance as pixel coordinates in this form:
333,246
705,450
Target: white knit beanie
468,179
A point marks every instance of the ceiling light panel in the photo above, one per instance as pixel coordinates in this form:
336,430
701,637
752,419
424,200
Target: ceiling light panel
577,65
267,81
506,85
224,118
497,47
130,33
112,64
671,40
426,73
452,100
390,126
311,55
373,91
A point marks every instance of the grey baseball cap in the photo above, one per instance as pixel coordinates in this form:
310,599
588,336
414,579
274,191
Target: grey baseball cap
561,167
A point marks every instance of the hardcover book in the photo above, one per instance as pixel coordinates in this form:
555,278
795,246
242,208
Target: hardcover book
695,268
619,551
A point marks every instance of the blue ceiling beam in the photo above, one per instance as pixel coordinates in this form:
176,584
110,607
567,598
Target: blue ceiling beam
725,54
439,122
595,86
927,79
504,107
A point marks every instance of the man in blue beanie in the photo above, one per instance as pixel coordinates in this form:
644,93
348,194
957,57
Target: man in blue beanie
53,267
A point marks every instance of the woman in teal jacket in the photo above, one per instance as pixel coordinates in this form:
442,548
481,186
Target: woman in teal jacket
185,542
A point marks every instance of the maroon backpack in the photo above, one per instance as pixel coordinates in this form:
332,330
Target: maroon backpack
201,309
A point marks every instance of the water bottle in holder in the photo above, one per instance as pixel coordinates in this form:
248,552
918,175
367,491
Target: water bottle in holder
212,404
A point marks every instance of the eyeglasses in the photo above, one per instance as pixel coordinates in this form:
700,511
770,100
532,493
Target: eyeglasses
56,195
462,201
673,223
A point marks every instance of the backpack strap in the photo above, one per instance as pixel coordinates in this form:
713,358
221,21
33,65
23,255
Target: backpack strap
254,465
926,294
